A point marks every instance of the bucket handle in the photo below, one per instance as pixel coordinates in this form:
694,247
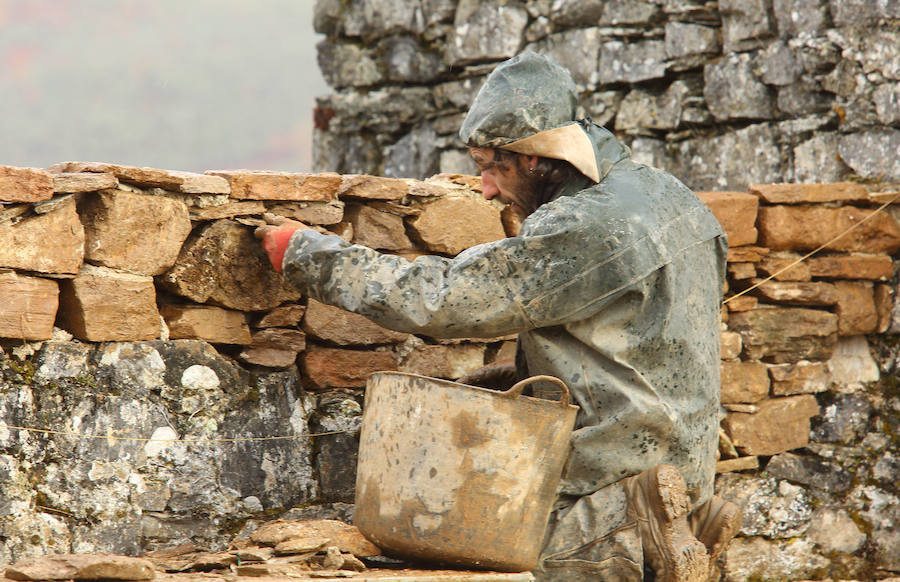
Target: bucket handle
517,388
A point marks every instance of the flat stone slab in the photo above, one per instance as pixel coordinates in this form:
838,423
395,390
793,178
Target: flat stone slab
81,567
172,180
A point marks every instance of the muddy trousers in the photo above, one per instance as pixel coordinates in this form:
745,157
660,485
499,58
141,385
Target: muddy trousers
592,538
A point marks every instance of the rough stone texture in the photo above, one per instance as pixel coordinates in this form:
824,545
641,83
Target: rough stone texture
283,316
731,345
733,91
744,382
340,415
853,266
83,182
274,347
576,50
834,530
780,424
798,293
133,232
786,334
771,508
784,267
444,361
338,326
736,212
81,567
744,23
452,224
224,264
810,193
262,185
204,322
146,494
810,471
855,308
730,161
29,306
760,559
49,242
845,420
336,368
311,212
185,182
474,37
24,184
373,188
632,62
873,154
803,377
100,304
228,210
808,227
377,229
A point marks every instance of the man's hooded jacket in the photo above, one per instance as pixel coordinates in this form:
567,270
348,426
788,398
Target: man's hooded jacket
613,286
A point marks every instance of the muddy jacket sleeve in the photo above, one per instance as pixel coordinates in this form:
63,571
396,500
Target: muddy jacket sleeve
498,288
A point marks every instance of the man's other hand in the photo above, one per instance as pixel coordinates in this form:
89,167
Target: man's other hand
275,236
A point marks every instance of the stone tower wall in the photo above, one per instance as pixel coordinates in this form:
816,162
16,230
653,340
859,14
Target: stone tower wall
722,94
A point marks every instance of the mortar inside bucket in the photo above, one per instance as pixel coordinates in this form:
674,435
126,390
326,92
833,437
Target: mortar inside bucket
457,474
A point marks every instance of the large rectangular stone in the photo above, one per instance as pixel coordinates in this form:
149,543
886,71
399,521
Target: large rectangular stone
786,334
172,180
451,224
229,210
138,233
52,242
856,310
338,326
444,361
205,322
801,377
262,185
331,212
29,306
780,424
854,266
809,227
25,184
744,382
376,229
327,368
105,305
72,182
746,254
803,193
736,212
797,292
784,266
372,187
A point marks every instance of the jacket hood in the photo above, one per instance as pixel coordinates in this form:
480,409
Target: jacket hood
524,95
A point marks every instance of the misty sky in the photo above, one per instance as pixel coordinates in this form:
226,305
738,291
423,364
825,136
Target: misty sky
183,85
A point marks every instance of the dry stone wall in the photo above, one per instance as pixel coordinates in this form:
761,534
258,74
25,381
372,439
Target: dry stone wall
723,94
159,380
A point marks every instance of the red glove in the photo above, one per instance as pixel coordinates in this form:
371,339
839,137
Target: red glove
275,240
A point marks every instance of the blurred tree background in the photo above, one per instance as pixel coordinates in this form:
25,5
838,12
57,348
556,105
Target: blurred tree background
183,85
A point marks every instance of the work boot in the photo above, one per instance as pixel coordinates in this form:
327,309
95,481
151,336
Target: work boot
659,503
714,523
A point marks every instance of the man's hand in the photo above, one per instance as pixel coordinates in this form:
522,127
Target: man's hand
275,236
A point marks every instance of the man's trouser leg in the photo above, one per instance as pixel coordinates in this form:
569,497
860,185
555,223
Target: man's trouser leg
611,534
592,538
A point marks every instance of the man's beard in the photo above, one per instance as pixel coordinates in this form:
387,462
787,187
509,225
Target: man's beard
533,192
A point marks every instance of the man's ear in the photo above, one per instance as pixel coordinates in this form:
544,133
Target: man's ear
532,161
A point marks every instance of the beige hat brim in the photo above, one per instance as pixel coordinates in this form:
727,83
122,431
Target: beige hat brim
569,143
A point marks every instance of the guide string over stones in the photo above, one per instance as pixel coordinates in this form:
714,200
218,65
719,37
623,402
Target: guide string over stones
814,251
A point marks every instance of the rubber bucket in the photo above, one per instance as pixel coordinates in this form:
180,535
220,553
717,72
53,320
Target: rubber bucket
457,474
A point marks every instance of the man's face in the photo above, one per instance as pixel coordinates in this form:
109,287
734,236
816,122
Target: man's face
507,180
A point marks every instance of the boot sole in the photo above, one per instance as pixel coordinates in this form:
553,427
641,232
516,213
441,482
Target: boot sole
684,555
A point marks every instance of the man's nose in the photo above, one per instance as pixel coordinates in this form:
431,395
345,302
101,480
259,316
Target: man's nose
488,188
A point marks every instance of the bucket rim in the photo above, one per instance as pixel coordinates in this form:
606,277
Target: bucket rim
457,385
